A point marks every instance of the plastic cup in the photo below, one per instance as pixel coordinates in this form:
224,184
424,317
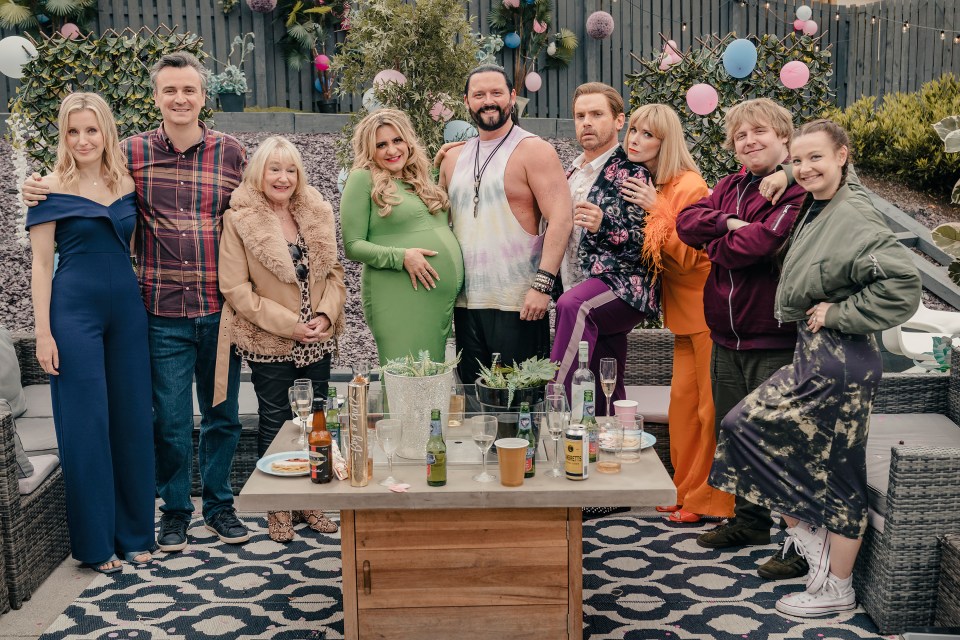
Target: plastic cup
511,456
625,408
631,433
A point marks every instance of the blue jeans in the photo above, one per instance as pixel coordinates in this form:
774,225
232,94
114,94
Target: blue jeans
182,349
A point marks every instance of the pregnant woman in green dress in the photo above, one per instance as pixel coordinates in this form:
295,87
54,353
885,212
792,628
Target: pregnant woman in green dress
395,221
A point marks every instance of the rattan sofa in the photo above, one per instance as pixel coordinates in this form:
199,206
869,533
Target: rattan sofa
898,567
4,591
650,364
33,528
245,458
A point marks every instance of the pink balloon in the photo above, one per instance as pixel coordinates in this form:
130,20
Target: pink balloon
321,62
794,74
70,30
539,27
533,81
671,49
702,99
439,112
799,24
810,27
664,64
674,58
389,75
512,3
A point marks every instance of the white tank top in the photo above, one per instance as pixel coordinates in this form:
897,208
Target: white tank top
500,258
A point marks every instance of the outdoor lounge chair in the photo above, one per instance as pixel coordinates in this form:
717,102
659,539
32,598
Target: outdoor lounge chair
33,526
913,475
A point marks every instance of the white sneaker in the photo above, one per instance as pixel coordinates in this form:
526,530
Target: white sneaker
832,598
814,546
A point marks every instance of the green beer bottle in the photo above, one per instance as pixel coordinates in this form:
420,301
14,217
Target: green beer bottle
436,453
525,431
333,417
589,421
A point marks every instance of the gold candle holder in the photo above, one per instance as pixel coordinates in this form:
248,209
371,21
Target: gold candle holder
357,433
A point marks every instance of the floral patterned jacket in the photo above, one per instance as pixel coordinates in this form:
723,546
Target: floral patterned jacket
613,253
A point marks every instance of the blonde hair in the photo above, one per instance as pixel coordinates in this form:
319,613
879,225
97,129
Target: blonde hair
112,162
416,172
664,123
759,111
286,150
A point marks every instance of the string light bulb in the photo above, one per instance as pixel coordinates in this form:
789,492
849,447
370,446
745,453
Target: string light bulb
837,16
906,25
956,39
683,27
816,48
766,5
873,19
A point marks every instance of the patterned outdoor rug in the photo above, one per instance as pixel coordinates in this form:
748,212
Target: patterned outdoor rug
642,579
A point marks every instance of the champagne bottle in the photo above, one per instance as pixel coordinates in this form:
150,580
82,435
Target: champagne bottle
319,442
436,453
583,380
525,431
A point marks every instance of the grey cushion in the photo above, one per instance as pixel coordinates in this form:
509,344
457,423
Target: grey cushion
653,402
896,429
38,436
44,465
39,404
10,389
24,467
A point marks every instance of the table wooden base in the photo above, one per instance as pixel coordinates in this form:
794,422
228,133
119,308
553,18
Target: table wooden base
462,573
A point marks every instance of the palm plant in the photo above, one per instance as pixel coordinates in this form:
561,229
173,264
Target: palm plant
44,16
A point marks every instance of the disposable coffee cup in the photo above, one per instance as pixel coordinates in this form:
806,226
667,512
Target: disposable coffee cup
511,456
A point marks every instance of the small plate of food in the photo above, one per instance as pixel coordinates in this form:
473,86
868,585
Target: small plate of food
285,463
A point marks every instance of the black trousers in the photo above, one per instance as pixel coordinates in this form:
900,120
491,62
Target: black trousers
734,374
483,332
271,381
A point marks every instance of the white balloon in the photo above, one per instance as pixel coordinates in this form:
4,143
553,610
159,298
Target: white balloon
342,179
15,51
370,102
804,12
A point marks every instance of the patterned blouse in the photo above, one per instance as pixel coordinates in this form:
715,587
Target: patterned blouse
613,253
302,354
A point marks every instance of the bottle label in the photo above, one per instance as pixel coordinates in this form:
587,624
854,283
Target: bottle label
528,463
320,463
431,459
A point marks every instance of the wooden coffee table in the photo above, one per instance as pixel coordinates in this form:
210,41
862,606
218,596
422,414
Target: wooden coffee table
467,560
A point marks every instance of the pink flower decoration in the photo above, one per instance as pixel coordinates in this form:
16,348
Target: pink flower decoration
539,27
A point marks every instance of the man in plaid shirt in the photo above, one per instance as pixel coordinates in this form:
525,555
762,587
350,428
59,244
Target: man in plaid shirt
184,174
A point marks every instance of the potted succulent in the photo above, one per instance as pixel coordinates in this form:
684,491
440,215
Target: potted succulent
414,386
230,85
506,387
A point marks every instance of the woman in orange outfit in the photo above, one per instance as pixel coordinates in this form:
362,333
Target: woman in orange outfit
655,139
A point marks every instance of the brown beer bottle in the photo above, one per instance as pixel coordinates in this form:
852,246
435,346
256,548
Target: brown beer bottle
321,455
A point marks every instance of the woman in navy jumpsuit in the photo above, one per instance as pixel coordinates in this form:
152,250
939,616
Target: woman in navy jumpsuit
92,339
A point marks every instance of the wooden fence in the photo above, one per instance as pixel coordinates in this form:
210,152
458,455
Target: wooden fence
873,52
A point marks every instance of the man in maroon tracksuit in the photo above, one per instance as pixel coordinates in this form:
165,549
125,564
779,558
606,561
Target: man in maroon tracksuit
742,233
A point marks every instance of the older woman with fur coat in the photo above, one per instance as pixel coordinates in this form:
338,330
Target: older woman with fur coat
284,293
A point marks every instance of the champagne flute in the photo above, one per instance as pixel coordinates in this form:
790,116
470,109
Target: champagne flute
389,434
303,394
558,417
484,430
608,378
293,409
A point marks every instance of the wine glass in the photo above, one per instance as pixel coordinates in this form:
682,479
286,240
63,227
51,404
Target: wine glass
558,417
303,394
555,389
389,433
293,407
608,378
484,430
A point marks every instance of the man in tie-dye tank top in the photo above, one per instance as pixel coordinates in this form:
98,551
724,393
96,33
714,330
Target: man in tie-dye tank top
505,187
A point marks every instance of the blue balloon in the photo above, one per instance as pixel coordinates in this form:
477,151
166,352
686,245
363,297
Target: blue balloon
512,40
740,58
342,179
458,130
317,86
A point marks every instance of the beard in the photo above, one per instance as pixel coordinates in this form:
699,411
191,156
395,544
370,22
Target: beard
503,115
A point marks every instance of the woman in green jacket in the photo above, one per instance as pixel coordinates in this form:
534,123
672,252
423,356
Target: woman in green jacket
797,444
395,221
